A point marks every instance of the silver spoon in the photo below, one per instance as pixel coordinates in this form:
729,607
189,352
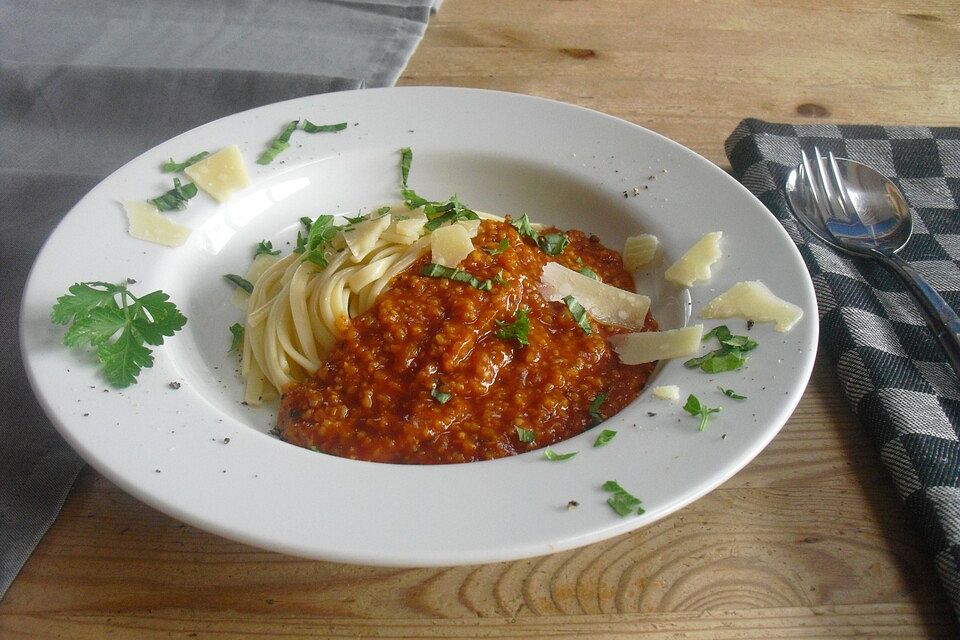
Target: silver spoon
852,207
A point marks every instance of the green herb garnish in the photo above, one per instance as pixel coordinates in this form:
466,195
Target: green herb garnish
355,219
595,414
451,211
522,225
553,456
98,311
319,235
621,501
440,396
176,198
526,436
309,127
695,408
579,314
240,282
730,393
517,330
173,167
279,144
302,237
590,273
605,436
500,248
237,342
499,279
433,270
553,243
265,248
730,356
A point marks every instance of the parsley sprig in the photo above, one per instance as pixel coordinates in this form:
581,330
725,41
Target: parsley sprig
117,324
731,355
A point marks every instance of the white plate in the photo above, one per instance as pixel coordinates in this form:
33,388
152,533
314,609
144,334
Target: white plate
501,153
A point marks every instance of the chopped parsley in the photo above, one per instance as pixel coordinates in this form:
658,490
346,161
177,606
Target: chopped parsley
579,314
499,279
695,408
731,355
553,456
280,143
309,127
265,248
526,436
517,330
240,282
175,199
595,414
605,436
621,501
301,238
500,248
433,270
523,227
440,396
170,166
730,393
117,324
236,343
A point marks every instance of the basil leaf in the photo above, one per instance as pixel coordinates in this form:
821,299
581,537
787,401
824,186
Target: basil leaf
433,270
517,330
279,144
595,408
265,248
590,273
694,407
309,127
605,436
621,501
171,166
239,282
553,243
730,393
440,396
553,456
176,198
579,314
526,436
500,248
236,344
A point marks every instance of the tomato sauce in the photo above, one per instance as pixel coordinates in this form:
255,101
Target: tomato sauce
378,396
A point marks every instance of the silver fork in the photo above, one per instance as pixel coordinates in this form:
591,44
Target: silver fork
852,207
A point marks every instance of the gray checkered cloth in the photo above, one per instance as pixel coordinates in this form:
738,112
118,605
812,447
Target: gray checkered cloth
890,366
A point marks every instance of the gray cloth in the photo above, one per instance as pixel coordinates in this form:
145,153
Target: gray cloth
85,86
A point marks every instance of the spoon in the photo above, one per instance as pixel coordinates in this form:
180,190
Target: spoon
870,219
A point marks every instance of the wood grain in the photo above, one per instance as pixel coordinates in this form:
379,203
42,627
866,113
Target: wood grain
808,541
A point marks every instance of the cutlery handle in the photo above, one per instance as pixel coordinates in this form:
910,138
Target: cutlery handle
941,318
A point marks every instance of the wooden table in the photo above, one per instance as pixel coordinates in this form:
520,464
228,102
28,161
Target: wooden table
809,540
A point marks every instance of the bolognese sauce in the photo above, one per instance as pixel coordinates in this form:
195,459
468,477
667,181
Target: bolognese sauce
425,376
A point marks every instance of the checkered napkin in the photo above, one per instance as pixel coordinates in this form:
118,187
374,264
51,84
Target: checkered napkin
890,366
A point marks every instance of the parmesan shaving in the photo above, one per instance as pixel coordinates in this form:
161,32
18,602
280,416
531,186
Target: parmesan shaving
650,346
639,251
146,223
696,262
364,236
753,301
607,304
450,245
221,173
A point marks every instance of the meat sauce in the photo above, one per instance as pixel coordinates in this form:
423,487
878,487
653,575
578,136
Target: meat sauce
378,396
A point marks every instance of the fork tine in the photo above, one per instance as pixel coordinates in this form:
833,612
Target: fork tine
813,182
841,188
826,183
